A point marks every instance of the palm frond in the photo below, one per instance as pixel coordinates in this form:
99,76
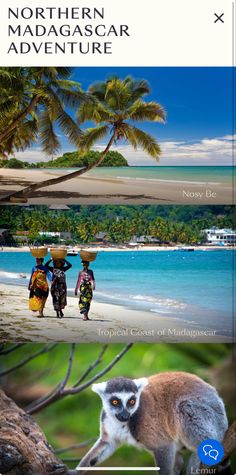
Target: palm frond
130,135
21,138
58,114
92,135
71,97
117,95
49,139
138,88
98,90
94,111
145,141
141,110
69,128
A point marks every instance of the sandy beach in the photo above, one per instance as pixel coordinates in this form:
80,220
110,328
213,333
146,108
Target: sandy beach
109,323
92,190
128,248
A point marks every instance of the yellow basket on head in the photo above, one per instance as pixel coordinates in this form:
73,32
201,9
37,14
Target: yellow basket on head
58,253
39,252
88,256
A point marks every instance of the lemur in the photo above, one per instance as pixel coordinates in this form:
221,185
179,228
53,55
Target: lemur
162,414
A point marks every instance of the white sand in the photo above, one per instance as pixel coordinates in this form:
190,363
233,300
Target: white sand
91,190
110,323
128,248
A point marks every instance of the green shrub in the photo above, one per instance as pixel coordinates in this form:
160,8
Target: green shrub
13,163
77,159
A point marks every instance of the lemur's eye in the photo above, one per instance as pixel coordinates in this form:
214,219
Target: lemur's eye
132,402
114,402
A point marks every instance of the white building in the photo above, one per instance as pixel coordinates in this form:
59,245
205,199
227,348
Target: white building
220,236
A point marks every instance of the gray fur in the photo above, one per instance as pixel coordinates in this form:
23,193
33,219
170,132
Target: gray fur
121,385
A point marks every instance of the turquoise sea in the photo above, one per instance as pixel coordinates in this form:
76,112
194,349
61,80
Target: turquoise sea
205,174
191,286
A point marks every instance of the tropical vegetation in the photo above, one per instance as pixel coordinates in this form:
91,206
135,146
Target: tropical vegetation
33,107
177,224
71,160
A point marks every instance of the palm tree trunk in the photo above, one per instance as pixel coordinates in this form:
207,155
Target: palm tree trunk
19,118
21,196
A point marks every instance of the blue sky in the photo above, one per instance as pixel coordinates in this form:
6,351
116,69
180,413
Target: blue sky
198,102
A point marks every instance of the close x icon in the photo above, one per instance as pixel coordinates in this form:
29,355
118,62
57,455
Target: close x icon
219,17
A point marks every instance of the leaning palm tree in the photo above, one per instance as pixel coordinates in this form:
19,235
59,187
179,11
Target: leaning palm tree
119,104
32,103
114,106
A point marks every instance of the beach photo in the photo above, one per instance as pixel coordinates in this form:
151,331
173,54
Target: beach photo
116,135
116,273
156,405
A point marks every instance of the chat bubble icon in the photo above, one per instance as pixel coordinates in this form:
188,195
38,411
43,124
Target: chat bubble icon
206,449
213,454
210,452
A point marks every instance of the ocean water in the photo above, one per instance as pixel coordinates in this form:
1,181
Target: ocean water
221,175
191,286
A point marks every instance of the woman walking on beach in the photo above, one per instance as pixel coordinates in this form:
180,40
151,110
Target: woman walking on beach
38,287
58,287
85,285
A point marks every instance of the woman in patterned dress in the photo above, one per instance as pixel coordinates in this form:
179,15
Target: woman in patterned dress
85,285
58,287
38,287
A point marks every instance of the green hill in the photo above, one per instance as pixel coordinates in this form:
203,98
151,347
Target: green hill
70,160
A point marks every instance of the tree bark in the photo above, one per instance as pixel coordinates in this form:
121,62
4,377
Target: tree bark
21,196
24,449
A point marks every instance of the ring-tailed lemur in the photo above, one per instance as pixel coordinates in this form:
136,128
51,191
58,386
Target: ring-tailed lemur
163,414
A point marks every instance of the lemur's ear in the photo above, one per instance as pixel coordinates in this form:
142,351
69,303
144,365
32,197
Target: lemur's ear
141,383
99,388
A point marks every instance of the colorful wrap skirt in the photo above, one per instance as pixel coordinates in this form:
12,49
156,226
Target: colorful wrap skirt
38,291
59,289
85,298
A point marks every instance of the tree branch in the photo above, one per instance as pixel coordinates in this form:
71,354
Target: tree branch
99,375
71,358
75,446
23,362
10,349
59,387
91,367
62,392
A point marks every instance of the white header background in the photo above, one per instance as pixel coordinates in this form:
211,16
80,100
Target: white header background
162,33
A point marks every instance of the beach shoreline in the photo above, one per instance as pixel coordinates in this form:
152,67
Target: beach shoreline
112,190
109,323
128,248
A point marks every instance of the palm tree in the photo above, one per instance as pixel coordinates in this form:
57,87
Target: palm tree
32,102
113,106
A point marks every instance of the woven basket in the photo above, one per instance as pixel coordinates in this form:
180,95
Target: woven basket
58,253
88,255
38,252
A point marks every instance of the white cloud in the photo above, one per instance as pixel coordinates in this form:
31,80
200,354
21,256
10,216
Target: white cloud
214,151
